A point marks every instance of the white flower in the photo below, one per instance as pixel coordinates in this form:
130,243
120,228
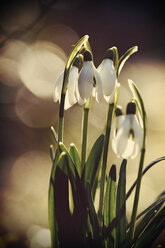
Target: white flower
70,98
89,82
108,75
128,137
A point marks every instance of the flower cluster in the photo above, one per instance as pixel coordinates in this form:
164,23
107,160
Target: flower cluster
88,81
73,217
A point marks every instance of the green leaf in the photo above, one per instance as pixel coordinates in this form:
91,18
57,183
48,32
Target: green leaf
55,135
160,199
152,231
54,188
147,219
93,160
110,203
72,167
51,215
75,157
121,206
124,58
61,202
92,213
144,171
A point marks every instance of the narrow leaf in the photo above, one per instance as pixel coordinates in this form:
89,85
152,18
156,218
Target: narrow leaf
92,213
52,153
121,204
55,135
75,157
110,203
144,171
146,220
93,160
63,148
152,231
52,221
61,202
124,58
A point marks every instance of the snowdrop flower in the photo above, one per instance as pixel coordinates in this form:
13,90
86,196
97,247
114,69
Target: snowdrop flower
128,137
116,124
70,98
108,75
89,82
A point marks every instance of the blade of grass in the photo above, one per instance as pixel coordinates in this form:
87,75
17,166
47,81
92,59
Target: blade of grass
51,215
93,160
124,58
110,204
75,157
61,200
144,171
104,159
93,218
140,103
72,166
121,203
149,216
152,231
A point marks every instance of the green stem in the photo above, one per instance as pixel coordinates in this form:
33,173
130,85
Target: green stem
84,132
136,199
61,118
104,160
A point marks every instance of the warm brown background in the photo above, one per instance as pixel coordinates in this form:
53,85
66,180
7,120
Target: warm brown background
31,31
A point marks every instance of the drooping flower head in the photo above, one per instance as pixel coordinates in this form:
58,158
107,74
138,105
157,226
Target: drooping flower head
89,81
127,134
70,98
108,75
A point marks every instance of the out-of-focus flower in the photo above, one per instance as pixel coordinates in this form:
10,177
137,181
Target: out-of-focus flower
70,98
108,75
89,82
127,134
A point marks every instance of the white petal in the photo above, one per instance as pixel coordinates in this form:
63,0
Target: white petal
99,85
108,76
138,136
67,102
78,97
122,137
85,81
58,87
110,99
72,81
116,125
129,149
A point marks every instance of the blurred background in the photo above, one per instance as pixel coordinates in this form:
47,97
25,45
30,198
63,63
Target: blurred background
35,39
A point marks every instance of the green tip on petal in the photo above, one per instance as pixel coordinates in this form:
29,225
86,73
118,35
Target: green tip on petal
131,108
118,111
112,172
87,56
109,54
